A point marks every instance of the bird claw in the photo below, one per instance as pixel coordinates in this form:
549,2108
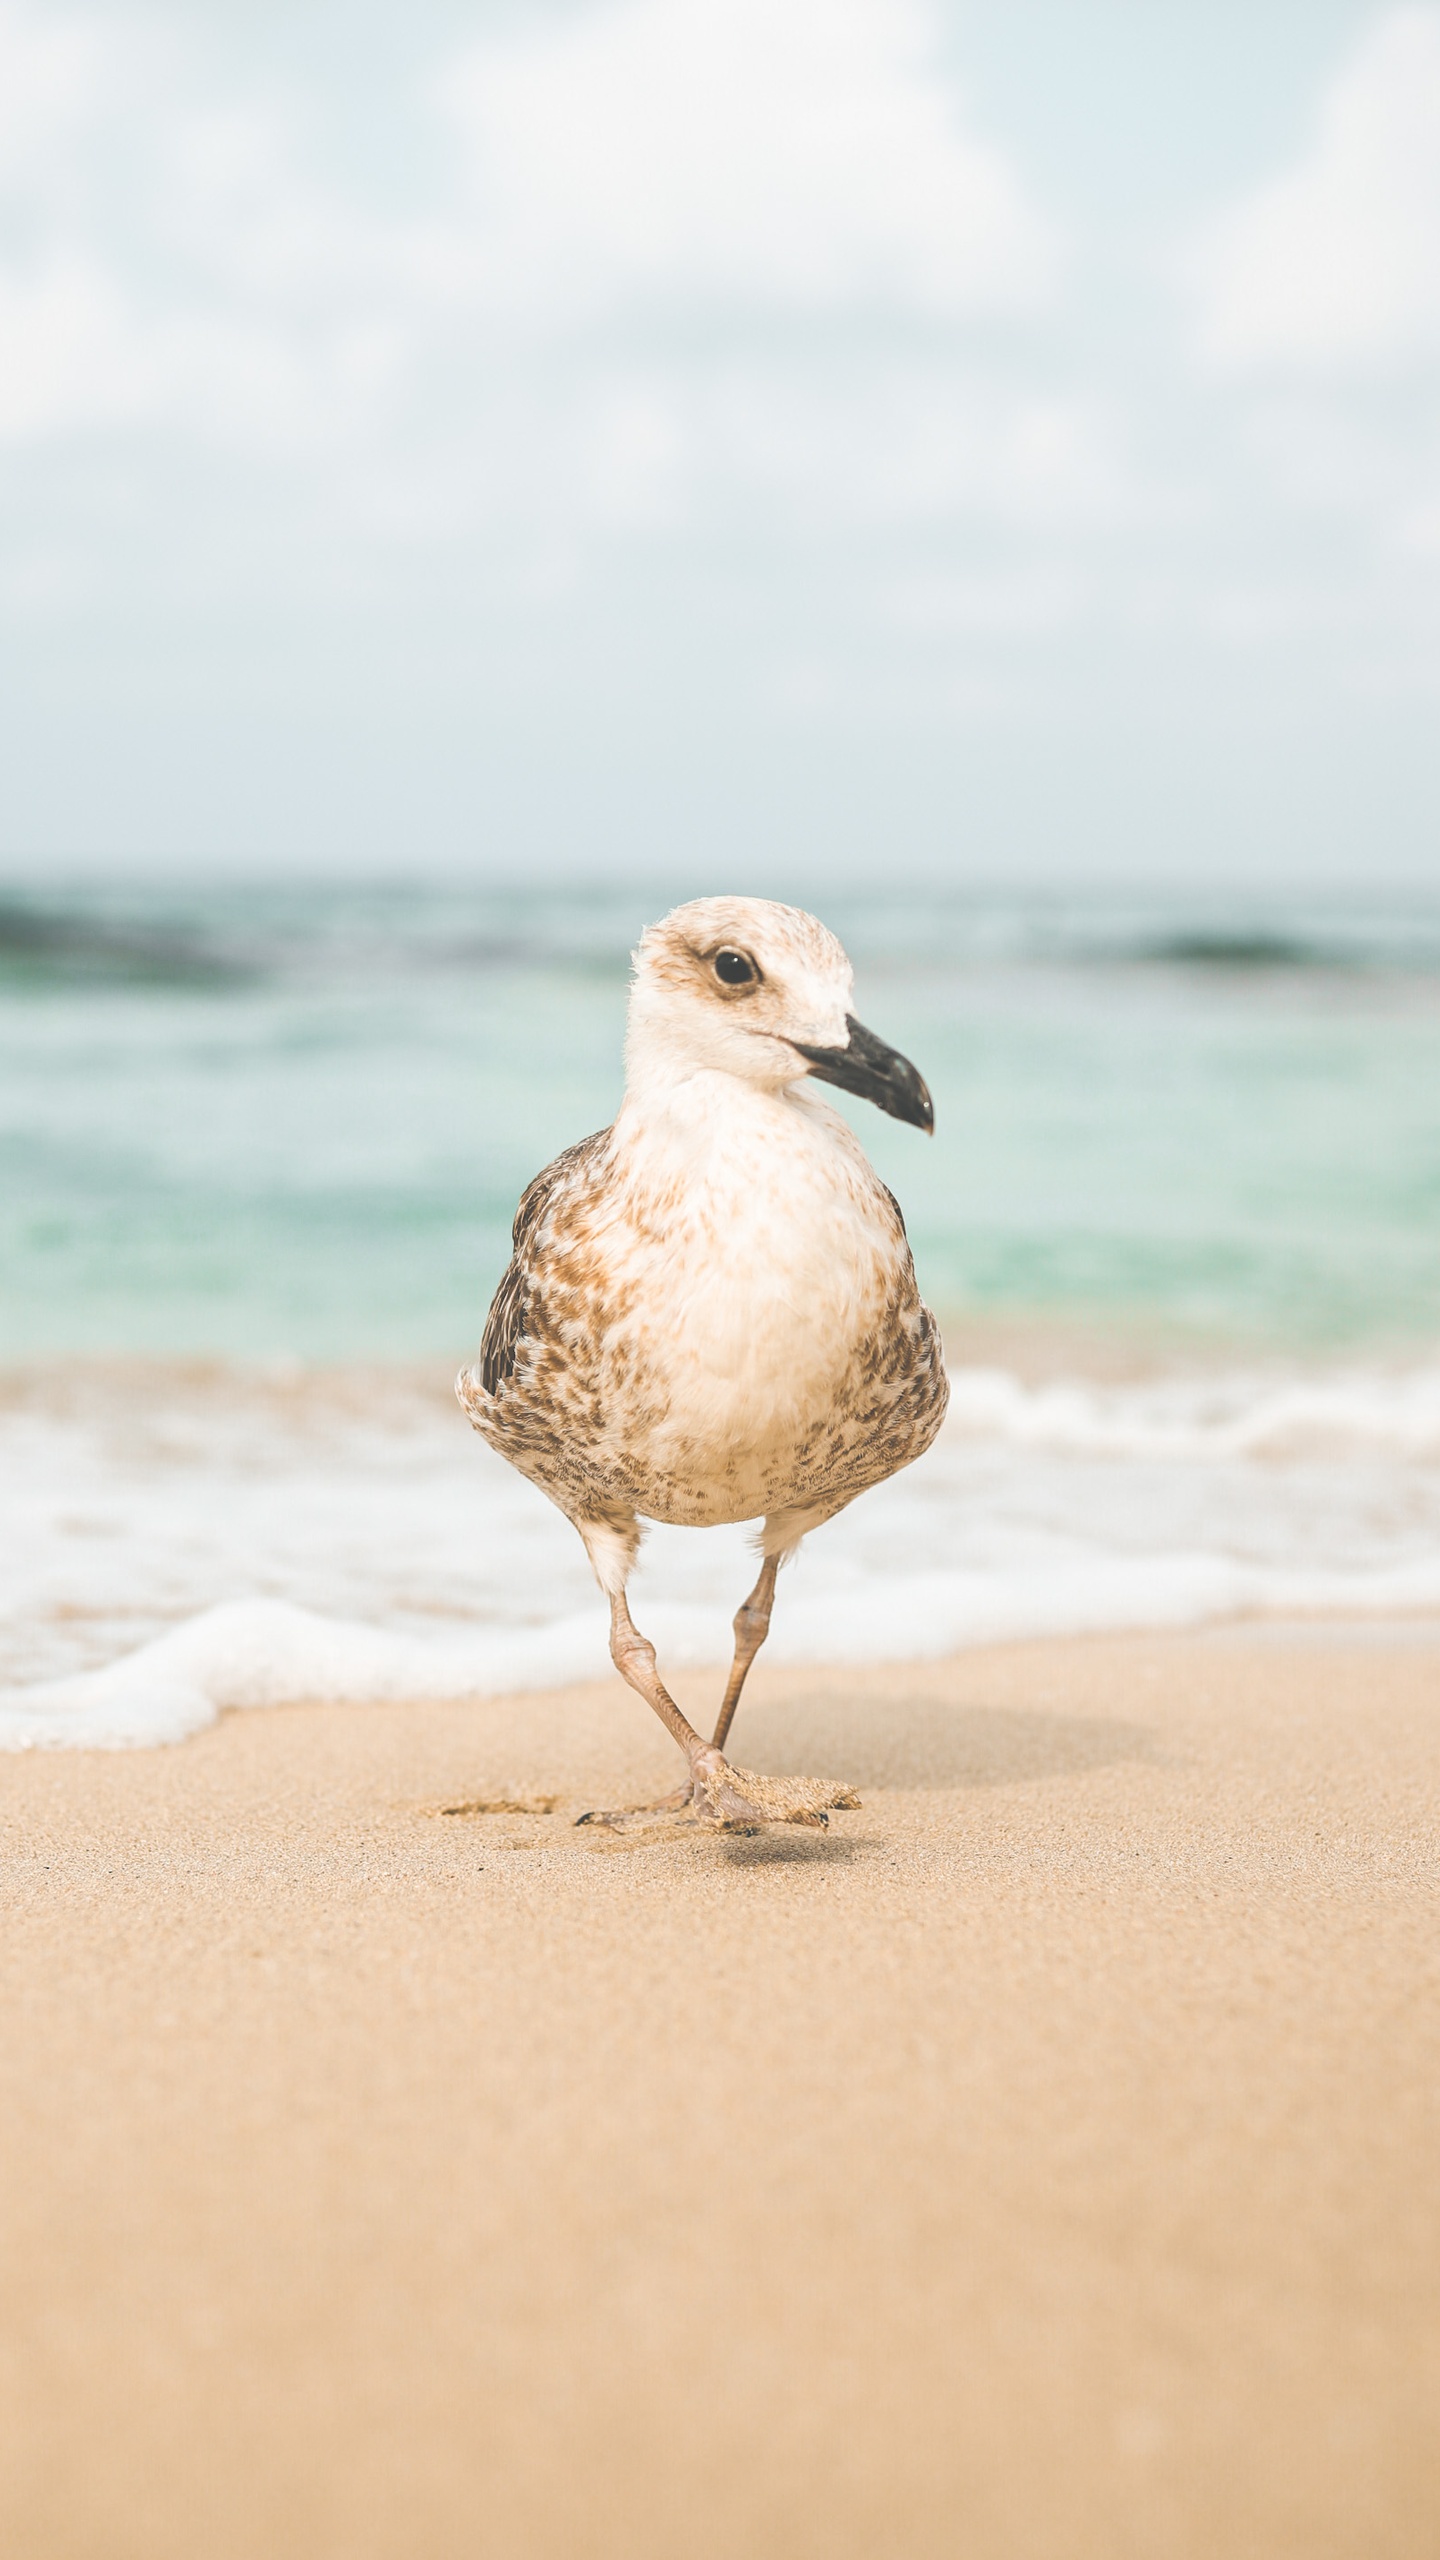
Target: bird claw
741,1800
737,1801
679,1805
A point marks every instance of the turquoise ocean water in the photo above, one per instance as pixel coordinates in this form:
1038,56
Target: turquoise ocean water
259,1153
261,1123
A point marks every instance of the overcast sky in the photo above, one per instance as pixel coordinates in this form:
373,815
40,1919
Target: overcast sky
749,440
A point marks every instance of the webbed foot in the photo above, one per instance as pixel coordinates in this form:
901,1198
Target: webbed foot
720,1797
742,1800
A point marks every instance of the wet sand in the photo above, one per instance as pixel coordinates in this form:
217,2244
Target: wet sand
1041,2164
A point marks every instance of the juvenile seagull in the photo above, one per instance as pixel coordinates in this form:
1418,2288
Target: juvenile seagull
711,1314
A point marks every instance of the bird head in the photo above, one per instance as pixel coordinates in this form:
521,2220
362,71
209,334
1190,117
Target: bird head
751,989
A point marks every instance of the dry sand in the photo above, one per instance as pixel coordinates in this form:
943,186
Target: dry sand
1044,2162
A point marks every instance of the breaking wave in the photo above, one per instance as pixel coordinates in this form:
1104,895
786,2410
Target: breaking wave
181,1544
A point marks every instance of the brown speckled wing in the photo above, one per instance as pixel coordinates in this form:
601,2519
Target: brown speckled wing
895,1205
505,1326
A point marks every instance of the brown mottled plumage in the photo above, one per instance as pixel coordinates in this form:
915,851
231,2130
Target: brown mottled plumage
711,1313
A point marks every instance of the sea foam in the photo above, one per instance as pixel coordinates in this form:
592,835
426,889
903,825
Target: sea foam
180,1545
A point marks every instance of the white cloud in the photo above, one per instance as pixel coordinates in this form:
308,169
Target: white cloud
68,354
689,355
180,263
1007,604
168,264
907,442
757,151
1337,263
49,84
1419,532
185,269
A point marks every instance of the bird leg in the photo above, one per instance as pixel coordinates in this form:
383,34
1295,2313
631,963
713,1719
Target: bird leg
752,1626
732,1799
712,1790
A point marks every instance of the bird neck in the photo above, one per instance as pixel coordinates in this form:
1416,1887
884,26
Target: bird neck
686,1124
679,1094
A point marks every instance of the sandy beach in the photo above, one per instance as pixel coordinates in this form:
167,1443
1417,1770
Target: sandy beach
1041,2164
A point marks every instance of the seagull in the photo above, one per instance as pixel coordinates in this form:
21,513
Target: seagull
711,1313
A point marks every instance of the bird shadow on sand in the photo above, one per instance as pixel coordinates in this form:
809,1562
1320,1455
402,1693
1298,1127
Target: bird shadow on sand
922,1742
782,1847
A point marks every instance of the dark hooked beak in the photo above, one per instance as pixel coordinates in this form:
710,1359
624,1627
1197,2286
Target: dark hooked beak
871,1067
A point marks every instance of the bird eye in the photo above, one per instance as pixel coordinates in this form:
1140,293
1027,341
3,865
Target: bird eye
734,969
